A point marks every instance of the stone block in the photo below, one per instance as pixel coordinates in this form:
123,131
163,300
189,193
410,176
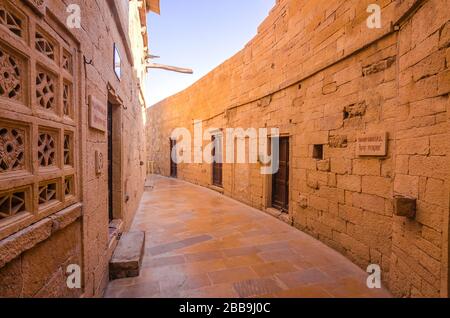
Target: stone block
435,192
303,201
429,106
298,102
24,240
413,146
378,66
338,141
430,215
127,258
406,185
367,167
432,236
349,182
341,165
368,202
444,82
317,138
323,165
329,88
42,262
447,56
11,279
318,203
430,166
444,36
431,65
355,110
351,214
379,186
65,217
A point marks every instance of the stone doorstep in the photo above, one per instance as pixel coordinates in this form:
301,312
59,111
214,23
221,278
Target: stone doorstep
127,257
284,217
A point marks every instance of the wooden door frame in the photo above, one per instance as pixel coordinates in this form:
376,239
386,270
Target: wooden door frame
267,181
172,143
213,137
287,197
118,155
211,185
445,266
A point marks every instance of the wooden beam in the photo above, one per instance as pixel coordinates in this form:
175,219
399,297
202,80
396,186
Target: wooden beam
170,68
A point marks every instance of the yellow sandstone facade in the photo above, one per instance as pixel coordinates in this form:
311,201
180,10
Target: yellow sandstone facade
364,112
58,78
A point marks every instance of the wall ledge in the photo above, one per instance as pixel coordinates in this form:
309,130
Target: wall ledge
24,240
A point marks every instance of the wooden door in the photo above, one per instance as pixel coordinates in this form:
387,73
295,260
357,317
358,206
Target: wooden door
280,180
217,162
173,164
110,162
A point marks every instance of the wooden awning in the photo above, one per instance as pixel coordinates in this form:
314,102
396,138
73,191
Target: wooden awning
153,5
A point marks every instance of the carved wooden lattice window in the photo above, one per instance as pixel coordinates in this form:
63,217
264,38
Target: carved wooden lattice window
39,119
12,149
44,46
10,75
67,61
11,21
68,186
67,149
46,90
12,203
48,194
47,149
67,99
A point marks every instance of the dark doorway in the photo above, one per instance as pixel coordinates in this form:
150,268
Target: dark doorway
173,164
280,180
217,161
110,161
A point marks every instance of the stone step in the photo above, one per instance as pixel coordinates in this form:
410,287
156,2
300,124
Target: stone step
127,257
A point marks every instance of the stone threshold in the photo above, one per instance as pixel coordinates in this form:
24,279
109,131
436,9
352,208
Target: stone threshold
115,233
216,188
128,255
16,244
282,216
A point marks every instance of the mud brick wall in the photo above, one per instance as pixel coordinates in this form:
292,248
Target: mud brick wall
320,75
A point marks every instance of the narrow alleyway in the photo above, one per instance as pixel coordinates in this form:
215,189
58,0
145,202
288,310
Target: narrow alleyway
202,244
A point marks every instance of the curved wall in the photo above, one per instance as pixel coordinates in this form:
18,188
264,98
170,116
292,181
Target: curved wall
320,75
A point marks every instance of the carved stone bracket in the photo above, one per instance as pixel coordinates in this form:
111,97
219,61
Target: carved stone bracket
37,5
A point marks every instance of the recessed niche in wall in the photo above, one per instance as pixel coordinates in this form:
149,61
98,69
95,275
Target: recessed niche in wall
318,152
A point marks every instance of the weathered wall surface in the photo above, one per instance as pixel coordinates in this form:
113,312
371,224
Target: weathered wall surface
320,75
34,257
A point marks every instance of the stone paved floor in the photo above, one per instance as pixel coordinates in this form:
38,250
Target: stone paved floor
202,244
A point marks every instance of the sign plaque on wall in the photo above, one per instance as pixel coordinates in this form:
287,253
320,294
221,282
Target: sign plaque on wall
372,145
97,114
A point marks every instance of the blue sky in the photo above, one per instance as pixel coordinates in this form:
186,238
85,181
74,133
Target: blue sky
198,34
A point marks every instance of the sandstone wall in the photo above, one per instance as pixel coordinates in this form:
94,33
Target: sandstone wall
39,268
319,74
